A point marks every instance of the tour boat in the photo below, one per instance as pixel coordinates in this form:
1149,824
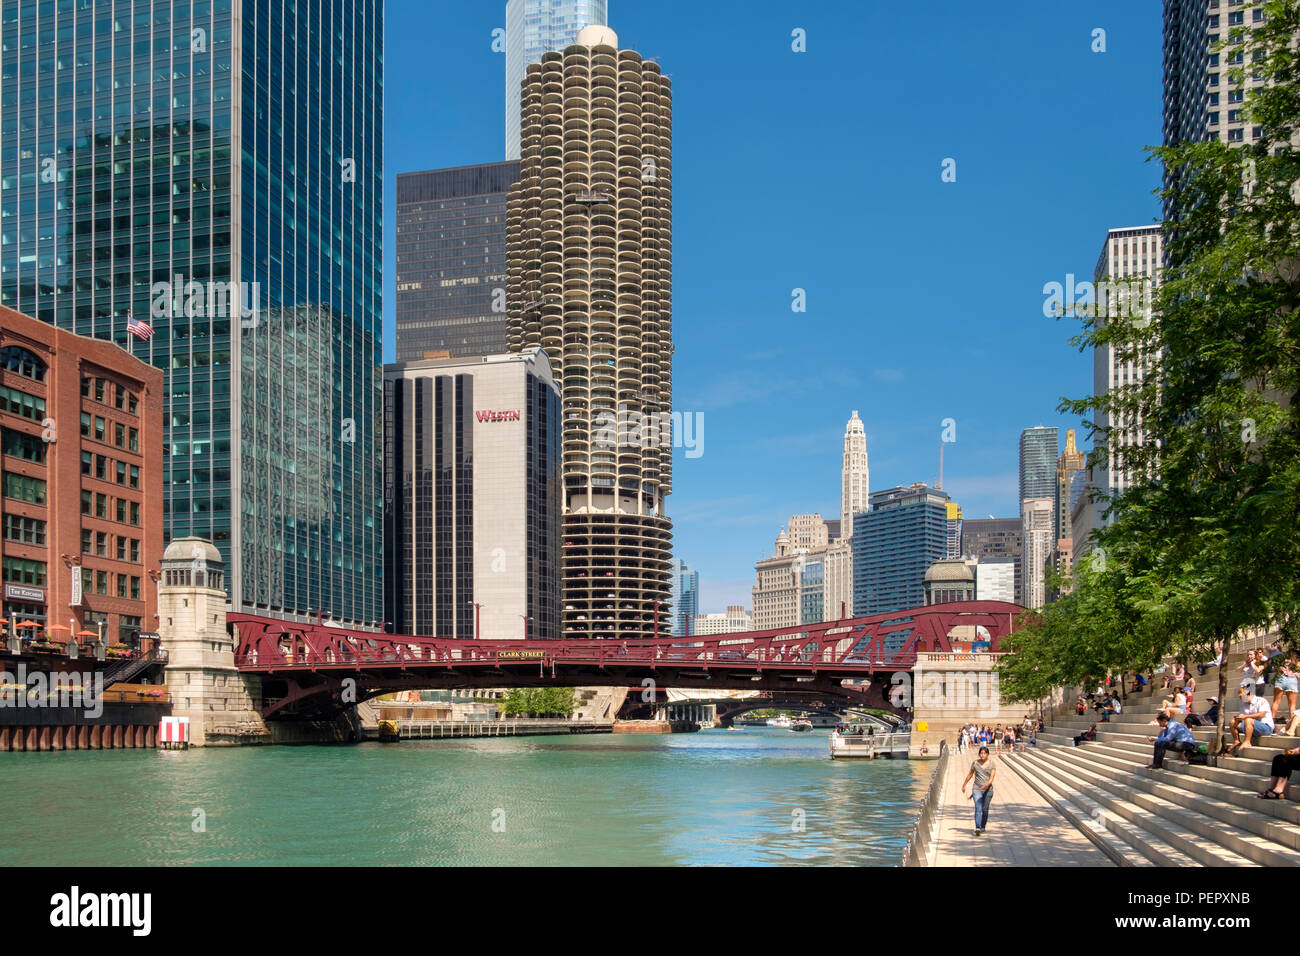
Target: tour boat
801,726
867,741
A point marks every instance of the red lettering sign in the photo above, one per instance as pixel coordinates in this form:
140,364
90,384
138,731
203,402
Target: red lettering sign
494,416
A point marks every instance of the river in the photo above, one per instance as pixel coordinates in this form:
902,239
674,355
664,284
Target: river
754,796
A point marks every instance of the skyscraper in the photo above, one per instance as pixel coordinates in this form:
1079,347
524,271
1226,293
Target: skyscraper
451,261
472,497
1036,527
1129,262
1069,466
995,539
685,597
1038,448
589,279
894,544
855,476
534,27
1200,100
184,168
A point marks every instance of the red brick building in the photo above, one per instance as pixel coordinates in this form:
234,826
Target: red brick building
81,473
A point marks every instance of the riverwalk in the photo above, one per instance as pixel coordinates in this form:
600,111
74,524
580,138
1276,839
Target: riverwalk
1023,828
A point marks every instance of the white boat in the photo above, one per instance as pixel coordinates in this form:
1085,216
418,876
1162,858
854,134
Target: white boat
800,726
782,722
867,741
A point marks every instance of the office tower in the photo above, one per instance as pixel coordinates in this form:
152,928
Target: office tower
589,278
1038,452
1201,102
739,618
735,619
685,598
807,532
839,579
217,169
451,261
472,497
995,538
953,546
894,543
1129,265
1069,466
535,27
1036,527
995,580
855,476
82,443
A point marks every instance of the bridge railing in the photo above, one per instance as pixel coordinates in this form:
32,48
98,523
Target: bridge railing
917,850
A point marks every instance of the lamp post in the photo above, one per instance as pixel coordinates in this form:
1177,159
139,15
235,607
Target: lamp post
478,608
526,619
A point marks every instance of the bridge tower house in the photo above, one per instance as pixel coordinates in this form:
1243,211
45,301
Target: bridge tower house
223,705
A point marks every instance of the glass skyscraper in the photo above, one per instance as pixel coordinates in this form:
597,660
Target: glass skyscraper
451,260
685,598
894,544
217,166
534,27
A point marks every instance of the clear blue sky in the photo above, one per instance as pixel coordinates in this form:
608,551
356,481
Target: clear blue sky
821,171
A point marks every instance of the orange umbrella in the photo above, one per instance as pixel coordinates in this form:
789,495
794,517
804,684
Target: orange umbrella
56,627
28,624
87,634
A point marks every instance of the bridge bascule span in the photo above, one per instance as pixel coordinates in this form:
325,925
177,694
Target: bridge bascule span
310,670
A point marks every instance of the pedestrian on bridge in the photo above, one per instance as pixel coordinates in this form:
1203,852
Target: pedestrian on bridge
983,770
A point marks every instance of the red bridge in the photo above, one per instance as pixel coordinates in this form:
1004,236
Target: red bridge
310,670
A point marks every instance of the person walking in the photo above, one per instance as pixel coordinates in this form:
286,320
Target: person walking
983,770
1286,680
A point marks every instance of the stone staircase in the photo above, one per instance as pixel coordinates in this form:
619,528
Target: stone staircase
1183,815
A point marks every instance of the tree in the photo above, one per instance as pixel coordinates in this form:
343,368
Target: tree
1206,542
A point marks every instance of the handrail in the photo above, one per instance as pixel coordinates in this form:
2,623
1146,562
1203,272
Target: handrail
917,850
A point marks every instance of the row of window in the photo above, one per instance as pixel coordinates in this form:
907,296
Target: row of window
105,469
24,530
23,571
123,398
20,403
102,506
99,543
15,358
22,445
23,488
101,582
124,436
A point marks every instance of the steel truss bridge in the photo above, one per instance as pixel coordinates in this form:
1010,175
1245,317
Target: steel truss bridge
314,671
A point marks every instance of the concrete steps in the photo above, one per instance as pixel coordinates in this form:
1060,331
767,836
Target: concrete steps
1183,815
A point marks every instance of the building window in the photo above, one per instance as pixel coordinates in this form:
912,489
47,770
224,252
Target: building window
24,530
101,583
85,503
121,511
134,443
119,434
121,585
135,477
23,488
100,426
22,404
121,472
86,541
135,513
101,505
15,358
101,544
22,571
24,446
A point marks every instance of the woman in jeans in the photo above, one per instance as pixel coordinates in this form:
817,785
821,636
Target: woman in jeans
983,771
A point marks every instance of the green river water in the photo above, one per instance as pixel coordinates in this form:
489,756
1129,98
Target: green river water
755,796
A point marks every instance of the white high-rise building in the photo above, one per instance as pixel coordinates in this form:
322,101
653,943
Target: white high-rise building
807,532
1039,535
855,476
736,618
995,579
534,27
1126,277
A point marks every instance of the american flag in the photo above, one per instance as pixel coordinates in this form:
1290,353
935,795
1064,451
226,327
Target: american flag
139,328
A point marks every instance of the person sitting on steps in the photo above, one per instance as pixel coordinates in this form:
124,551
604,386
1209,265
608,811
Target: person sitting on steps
1089,734
1283,764
1256,717
1173,736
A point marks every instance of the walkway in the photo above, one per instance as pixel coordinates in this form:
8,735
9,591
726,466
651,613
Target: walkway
1023,829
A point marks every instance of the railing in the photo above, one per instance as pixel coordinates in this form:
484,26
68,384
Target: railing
122,672
917,850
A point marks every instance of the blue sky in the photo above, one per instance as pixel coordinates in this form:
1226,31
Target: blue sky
821,171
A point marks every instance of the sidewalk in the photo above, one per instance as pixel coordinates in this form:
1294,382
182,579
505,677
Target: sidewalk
1023,828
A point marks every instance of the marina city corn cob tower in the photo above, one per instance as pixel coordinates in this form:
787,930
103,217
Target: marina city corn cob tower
589,279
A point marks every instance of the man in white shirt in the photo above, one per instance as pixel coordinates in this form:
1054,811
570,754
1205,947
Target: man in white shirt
1256,717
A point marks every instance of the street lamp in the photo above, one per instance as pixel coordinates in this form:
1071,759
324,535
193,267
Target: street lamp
526,620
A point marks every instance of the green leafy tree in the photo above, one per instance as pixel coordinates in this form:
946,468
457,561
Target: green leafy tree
1207,541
